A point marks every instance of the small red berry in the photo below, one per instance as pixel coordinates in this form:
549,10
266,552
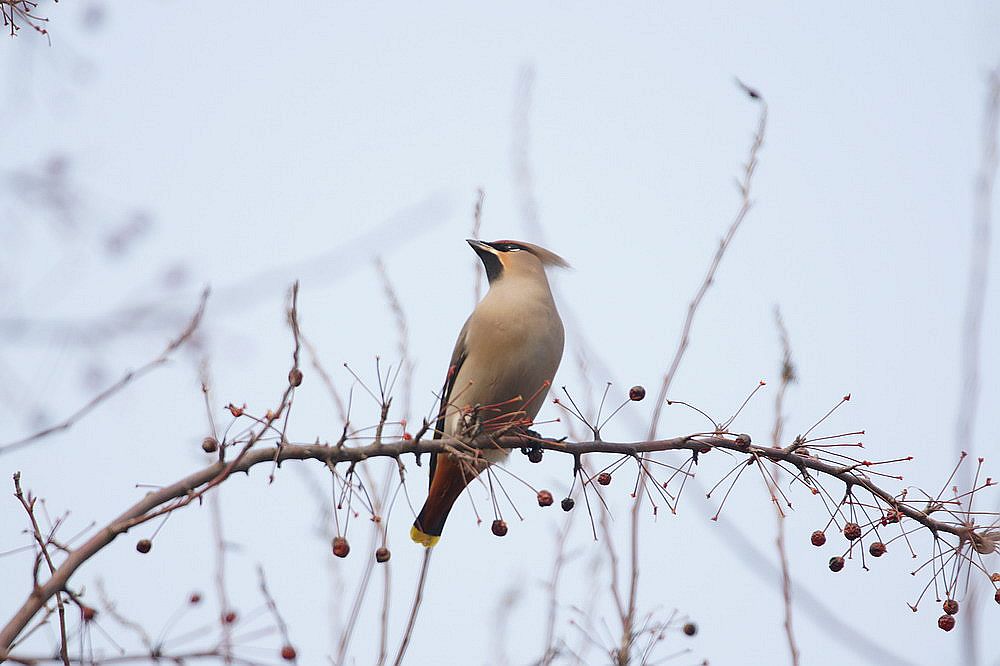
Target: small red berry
946,622
382,555
852,531
195,598
818,538
499,527
568,504
288,653
209,445
88,613
535,455
544,498
340,546
295,377
604,478
636,393
229,617
407,437
996,597
877,549
690,629
950,606
836,564
144,546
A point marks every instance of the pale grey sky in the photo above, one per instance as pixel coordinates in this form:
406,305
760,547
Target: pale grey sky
302,141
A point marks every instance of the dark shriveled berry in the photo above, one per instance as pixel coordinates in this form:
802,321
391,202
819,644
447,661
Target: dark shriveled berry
288,653
604,478
568,504
946,622
229,617
852,531
144,546
950,606
544,498
690,629
636,393
382,555
818,538
996,597
340,546
499,527
295,377
891,516
209,445
877,549
836,564
535,455
194,599
88,613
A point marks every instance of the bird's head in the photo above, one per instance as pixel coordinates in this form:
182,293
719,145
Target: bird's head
508,257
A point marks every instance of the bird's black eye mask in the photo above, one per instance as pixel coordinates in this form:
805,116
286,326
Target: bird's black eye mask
506,246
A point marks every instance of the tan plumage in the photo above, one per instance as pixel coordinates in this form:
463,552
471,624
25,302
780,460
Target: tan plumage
503,363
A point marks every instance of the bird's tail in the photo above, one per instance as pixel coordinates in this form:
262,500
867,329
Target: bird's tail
451,477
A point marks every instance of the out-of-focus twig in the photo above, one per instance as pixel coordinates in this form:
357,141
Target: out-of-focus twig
125,380
787,377
418,598
745,204
477,223
972,326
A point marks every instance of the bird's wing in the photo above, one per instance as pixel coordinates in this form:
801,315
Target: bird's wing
457,359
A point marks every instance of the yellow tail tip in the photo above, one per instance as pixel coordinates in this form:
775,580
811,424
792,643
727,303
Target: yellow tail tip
425,540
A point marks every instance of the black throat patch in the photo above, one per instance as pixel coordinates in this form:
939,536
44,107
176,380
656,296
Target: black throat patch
494,268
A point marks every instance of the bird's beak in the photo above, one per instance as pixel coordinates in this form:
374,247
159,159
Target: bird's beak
481,247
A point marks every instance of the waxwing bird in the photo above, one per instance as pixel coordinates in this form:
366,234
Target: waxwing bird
500,372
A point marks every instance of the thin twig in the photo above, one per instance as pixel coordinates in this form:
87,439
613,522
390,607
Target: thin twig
124,381
415,609
745,205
